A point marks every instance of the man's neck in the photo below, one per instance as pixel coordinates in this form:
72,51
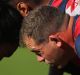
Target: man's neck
67,35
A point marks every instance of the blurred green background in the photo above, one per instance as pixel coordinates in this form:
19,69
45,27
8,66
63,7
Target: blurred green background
22,62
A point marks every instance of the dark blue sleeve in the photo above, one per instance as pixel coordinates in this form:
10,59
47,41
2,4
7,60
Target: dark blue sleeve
77,45
63,5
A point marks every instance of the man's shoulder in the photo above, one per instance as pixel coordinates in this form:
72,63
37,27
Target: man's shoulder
71,7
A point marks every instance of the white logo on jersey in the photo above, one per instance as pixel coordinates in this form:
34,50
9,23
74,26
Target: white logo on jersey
73,8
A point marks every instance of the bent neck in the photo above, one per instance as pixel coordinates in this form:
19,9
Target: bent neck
67,35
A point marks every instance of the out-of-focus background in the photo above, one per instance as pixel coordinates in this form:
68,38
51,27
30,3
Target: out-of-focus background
22,62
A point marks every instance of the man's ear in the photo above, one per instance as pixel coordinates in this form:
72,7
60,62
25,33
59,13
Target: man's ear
54,38
22,8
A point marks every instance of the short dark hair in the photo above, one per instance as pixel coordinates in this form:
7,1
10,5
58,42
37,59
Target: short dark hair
42,22
10,23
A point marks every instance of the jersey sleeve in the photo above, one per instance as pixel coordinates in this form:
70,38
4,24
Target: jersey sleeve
77,37
77,28
73,7
61,4
77,45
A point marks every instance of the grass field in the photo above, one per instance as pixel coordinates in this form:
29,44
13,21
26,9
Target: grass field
23,62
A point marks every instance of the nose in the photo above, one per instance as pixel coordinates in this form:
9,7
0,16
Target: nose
40,58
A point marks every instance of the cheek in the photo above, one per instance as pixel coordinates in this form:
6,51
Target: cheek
48,52
53,53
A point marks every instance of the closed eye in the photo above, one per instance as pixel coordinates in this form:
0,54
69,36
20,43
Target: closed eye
54,39
37,52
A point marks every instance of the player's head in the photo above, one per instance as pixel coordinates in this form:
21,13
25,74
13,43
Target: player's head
40,31
10,24
24,6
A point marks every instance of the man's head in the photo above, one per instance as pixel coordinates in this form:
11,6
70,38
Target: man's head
41,31
24,6
10,23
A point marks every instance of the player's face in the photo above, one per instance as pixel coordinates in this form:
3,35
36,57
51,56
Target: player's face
7,49
47,51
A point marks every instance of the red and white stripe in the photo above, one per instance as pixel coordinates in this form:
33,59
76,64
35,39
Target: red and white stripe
73,7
